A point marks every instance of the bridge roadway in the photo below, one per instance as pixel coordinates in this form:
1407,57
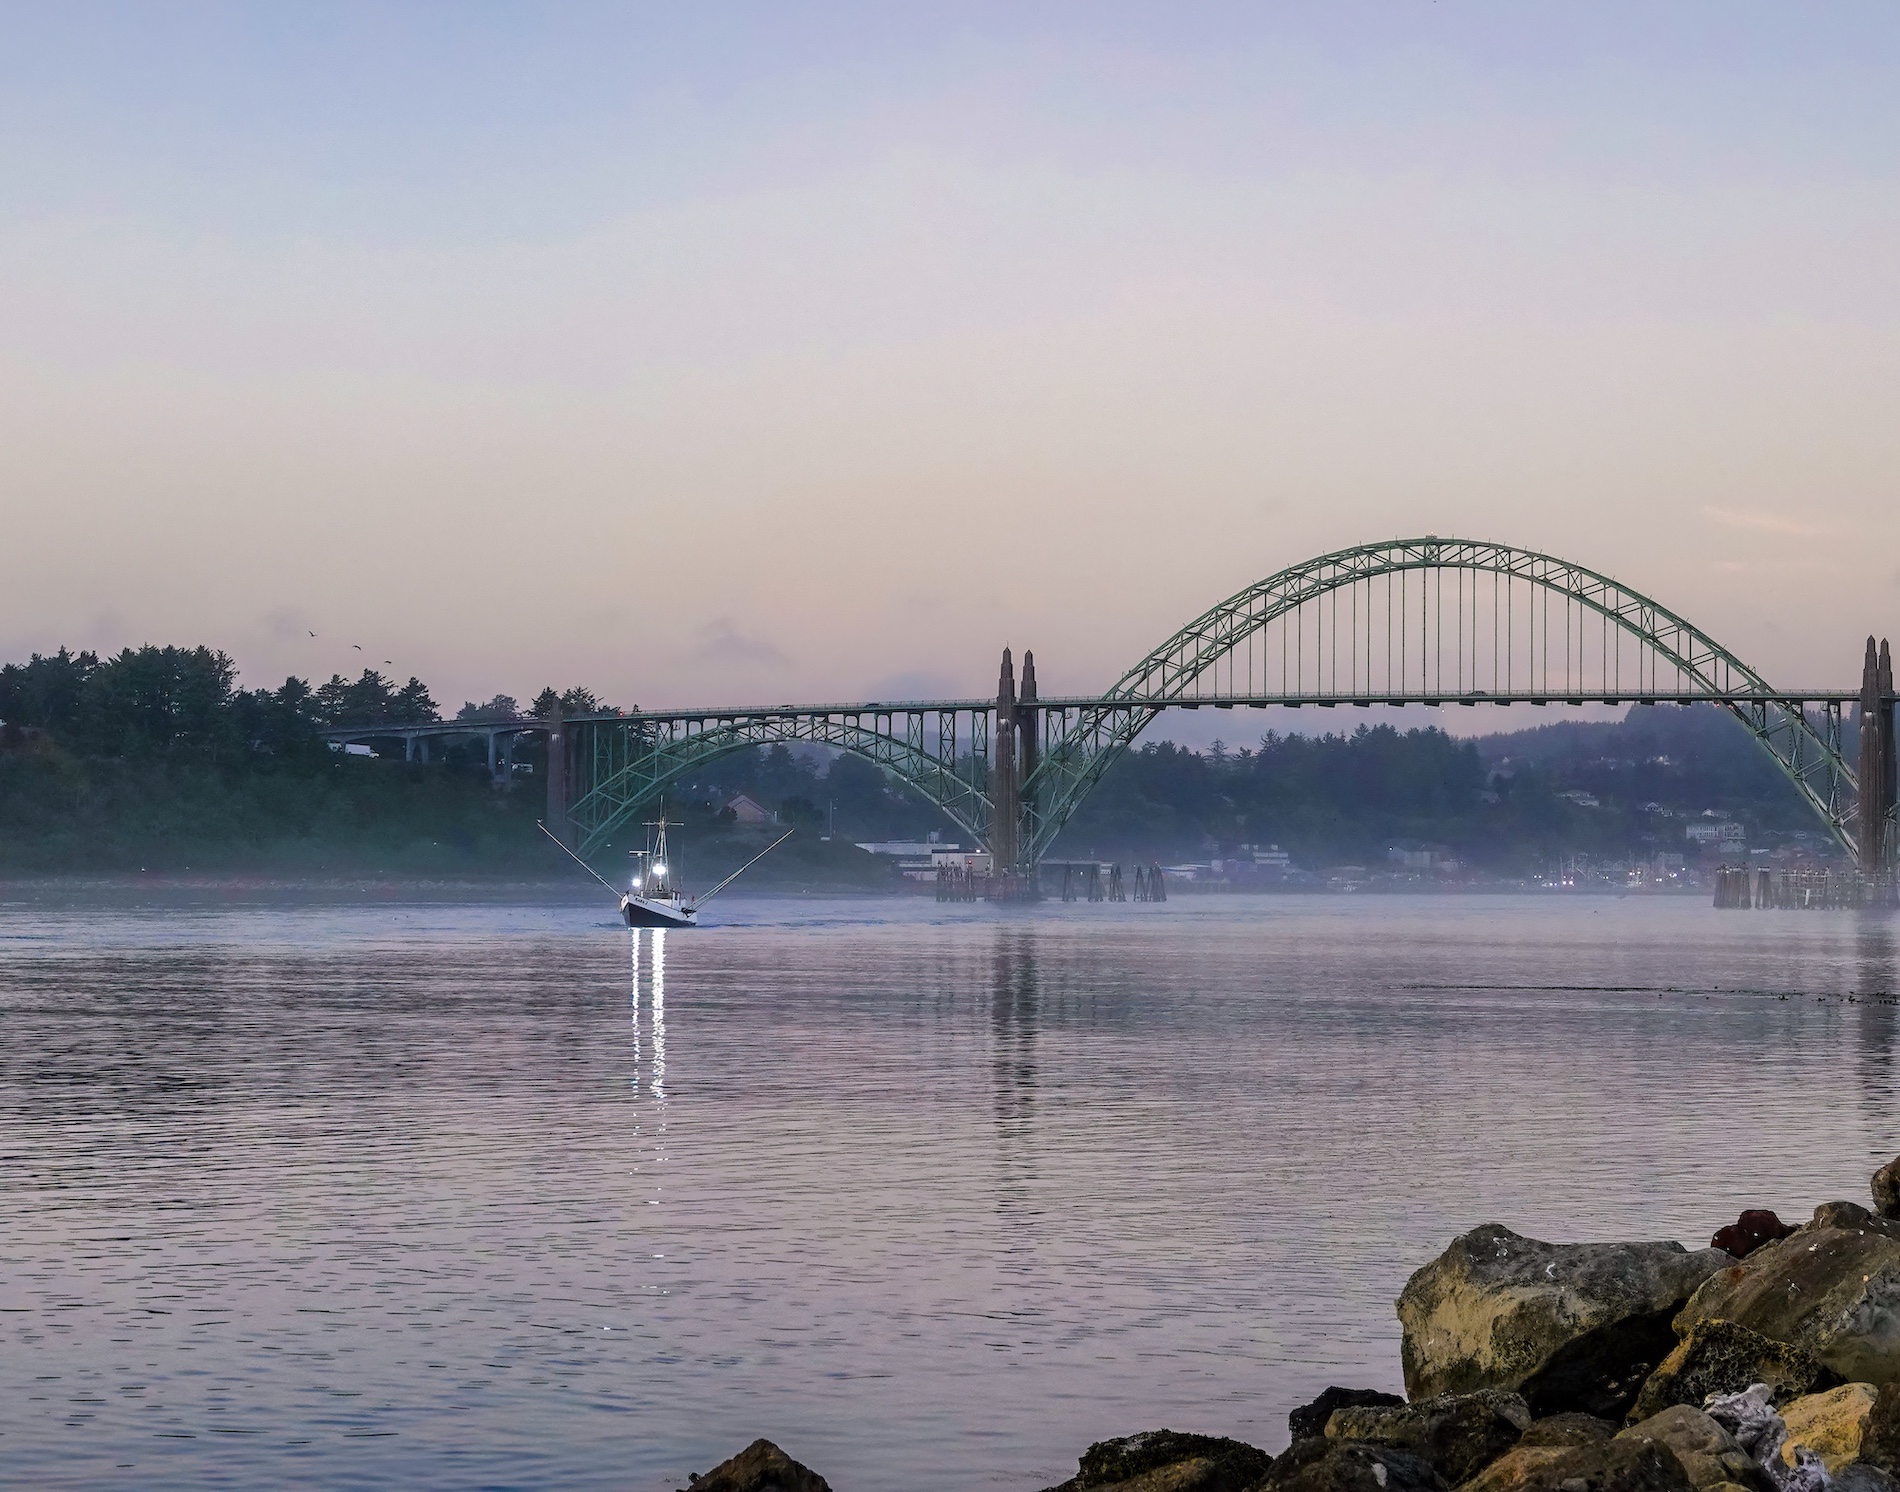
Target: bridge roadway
525,724
415,737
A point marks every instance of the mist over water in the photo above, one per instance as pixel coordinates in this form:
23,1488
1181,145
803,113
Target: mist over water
429,1193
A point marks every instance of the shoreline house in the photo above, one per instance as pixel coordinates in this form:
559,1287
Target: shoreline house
749,811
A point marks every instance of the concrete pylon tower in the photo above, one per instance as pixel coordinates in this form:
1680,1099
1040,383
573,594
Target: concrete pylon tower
1004,813
1889,787
1028,745
1877,759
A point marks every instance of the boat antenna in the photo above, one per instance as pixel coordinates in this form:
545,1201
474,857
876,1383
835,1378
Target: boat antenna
701,901
577,859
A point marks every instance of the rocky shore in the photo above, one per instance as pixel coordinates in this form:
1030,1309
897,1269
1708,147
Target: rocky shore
1767,1362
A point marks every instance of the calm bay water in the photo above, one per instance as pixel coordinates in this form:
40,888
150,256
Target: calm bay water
431,1193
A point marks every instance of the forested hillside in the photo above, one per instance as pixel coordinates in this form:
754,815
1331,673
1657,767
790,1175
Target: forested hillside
1505,801
156,759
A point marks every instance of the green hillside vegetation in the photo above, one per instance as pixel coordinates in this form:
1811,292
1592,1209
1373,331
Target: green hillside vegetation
156,760
1496,801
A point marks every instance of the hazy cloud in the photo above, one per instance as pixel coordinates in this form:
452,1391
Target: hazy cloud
721,642
1766,523
917,684
286,622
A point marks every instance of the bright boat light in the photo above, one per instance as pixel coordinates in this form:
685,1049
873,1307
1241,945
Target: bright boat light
660,869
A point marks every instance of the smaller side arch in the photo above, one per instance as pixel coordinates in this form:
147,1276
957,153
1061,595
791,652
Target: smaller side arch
653,766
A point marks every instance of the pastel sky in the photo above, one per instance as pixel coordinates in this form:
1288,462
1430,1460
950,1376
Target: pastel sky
745,353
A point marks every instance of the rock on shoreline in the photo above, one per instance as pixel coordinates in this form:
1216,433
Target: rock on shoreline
1602,1367
1573,1326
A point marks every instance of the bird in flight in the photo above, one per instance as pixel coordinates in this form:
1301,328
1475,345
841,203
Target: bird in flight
358,646
311,633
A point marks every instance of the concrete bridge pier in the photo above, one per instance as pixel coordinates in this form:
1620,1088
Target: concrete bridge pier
1004,780
1028,748
557,781
1013,755
1878,764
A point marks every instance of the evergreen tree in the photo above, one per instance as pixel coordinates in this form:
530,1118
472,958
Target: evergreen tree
501,707
412,705
370,700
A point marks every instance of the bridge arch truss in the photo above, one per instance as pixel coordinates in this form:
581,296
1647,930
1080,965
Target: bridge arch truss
1378,624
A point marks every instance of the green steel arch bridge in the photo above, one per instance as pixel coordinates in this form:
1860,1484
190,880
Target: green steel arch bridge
1431,621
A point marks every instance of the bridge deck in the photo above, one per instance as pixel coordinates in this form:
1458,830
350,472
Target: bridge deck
1054,704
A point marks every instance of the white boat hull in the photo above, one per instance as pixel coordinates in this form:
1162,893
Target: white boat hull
643,911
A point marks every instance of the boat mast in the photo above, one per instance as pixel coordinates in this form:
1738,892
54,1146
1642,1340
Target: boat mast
656,857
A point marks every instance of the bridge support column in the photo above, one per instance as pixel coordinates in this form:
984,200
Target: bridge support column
1028,747
557,779
1877,764
1004,811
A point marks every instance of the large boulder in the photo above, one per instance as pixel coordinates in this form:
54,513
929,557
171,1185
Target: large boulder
1563,1430
1834,1290
1460,1434
1320,1465
1749,1232
760,1467
1310,1419
1708,1452
1720,1357
1880,1441
1886,1189
1833,1425
1569,1326
1853,1215
1168,1461
1195,1474
1617,1465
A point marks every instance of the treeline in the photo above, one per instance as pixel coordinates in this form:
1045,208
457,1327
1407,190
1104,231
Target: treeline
810,788
1505,802
153,699
1320,797
157,758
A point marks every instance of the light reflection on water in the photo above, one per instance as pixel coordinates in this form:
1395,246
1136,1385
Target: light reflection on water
442,1194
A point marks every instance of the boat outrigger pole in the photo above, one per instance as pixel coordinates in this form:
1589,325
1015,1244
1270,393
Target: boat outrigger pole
744,868
577,859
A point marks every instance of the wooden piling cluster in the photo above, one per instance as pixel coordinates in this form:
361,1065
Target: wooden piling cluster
954,883
1739,889
957,884
1081,883
1087,883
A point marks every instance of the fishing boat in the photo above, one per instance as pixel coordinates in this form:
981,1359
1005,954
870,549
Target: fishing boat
653,897
653,900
